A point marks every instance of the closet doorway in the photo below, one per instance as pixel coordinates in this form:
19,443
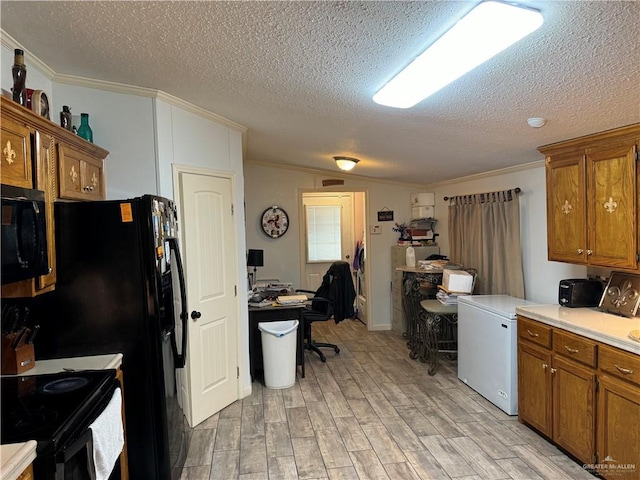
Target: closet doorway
333,227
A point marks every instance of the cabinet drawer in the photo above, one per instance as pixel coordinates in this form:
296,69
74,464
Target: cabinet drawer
620,364
534,332
577,348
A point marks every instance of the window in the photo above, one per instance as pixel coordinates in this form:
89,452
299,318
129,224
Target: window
324,242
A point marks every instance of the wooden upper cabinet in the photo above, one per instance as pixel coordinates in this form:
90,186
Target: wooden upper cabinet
566,208
611,193
16,154
592,199
35,154
81,176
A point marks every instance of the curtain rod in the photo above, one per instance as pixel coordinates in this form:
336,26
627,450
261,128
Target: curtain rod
517,190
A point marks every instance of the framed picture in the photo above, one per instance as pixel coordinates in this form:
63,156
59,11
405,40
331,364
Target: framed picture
385,216
622,294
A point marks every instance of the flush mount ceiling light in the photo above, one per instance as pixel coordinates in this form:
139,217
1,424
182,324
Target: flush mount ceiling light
484,32
536,122
346,163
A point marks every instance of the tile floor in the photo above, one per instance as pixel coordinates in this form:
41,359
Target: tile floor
370,413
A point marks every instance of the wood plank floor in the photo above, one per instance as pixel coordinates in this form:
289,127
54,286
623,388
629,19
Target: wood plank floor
370,413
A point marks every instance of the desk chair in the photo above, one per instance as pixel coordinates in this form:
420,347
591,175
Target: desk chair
333,299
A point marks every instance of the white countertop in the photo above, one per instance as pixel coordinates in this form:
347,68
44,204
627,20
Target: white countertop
95,362
606,328
16,457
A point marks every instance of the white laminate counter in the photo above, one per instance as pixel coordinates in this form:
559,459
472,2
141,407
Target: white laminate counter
606,328
95,362
16,457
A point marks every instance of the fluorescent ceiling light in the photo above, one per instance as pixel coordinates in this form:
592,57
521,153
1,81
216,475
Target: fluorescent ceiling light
484,32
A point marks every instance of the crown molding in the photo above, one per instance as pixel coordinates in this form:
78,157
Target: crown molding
11,43
491,173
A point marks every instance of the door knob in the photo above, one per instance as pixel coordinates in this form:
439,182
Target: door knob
195,315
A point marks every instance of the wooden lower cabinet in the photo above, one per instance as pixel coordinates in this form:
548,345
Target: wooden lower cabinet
534,387
574,416
124,457
27,474
618,429
583,395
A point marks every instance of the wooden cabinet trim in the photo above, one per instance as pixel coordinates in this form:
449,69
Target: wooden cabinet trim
619,364
575,347
534,332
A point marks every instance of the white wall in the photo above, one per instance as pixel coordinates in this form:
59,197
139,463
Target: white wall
541,277
124,125
267,185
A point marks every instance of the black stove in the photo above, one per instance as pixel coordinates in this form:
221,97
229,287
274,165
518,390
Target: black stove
53,409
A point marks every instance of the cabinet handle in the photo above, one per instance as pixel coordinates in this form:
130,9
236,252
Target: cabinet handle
589,252
544,366
531,334
571,350
553,370
626,371
580,251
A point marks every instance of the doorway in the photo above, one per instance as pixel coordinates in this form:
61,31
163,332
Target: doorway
332,228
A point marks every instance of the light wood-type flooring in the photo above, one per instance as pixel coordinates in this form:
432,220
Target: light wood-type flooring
370,413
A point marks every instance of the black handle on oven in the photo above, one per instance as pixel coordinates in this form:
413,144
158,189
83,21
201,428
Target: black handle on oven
83,441
180,359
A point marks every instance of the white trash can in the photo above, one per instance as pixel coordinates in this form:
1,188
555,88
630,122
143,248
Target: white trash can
279,341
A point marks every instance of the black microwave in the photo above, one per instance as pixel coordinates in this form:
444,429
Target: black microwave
24,234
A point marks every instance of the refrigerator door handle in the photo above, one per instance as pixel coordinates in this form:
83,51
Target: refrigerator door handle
180,358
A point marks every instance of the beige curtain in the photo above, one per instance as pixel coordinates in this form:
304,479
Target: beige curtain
484,233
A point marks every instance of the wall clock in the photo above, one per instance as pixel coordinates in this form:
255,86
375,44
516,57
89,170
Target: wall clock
275,221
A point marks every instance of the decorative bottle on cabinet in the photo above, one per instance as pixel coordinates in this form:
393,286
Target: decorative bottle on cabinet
85,130
65,117
19,71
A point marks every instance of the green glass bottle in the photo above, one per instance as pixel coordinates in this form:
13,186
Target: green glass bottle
85,130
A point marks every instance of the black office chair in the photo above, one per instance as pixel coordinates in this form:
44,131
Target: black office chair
333,299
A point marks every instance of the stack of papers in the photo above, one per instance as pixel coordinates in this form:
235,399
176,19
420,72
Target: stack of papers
447,298
291,299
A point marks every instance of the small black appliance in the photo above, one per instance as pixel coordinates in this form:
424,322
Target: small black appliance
579,292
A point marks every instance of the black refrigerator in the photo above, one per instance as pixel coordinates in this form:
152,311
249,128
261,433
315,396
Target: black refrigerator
120,288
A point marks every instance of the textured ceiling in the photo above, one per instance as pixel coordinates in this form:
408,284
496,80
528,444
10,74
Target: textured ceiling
300,75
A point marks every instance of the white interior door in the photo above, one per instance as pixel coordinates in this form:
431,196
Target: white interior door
209,248
312,269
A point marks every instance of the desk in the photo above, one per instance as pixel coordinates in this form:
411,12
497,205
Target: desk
273,314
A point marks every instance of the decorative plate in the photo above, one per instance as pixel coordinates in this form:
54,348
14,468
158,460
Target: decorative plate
622,294
275,221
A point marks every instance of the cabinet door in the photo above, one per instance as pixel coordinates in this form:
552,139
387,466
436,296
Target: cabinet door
618,429
16,154
534,387
574,420
611,196
566,213
45,181
81,177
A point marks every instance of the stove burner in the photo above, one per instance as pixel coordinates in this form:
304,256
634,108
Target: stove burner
64,385
29,422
